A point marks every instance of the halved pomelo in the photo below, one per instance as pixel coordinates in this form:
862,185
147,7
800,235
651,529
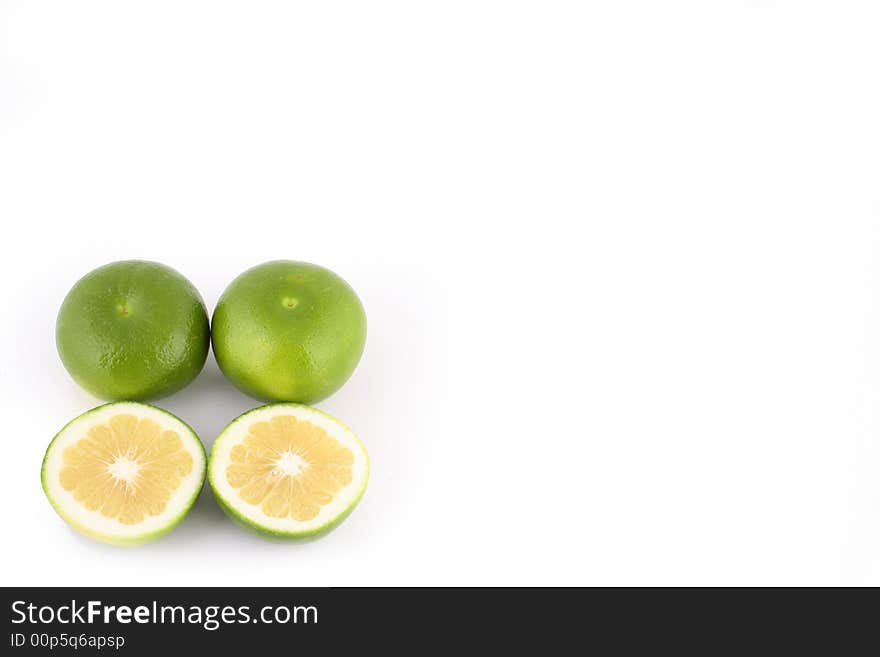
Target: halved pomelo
124,473
288,471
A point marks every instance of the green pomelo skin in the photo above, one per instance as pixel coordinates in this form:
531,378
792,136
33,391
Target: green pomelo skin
277,536
288,331
133,330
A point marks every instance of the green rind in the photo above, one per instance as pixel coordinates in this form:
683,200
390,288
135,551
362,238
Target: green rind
131,541
158,349
301,355
288,537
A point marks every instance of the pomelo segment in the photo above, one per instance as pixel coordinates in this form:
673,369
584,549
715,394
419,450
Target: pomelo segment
124,473
288,471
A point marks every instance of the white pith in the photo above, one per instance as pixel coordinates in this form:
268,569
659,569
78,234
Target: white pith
124,469
290,464
95,523
236,432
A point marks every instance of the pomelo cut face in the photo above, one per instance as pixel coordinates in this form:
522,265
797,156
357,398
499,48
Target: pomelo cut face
124,473
288,470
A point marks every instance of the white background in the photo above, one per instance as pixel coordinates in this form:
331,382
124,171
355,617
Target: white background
618,260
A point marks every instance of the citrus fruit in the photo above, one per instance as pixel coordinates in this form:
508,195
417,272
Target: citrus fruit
288,471
124,473
288,331
133,330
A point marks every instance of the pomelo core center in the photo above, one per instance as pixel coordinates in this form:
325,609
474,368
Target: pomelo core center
291,464
124,468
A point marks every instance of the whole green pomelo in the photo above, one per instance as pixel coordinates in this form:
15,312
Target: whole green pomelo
288,331
133,330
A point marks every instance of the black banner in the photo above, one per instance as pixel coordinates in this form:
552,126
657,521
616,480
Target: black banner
549,621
